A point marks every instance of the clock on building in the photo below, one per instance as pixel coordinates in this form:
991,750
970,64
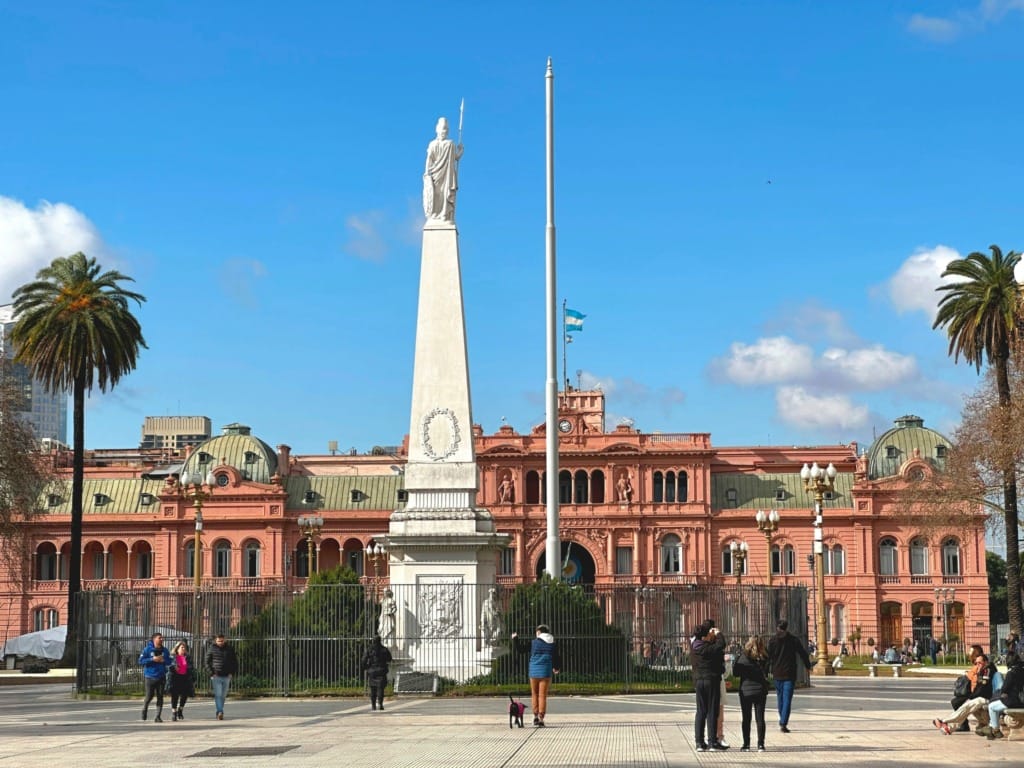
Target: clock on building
565,425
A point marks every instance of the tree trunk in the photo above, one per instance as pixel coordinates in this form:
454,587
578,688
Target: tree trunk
1013,597
75,556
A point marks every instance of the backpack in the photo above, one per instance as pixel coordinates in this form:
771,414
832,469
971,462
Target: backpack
962,687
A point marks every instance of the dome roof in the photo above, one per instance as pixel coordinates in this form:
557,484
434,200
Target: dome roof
907,440
236,447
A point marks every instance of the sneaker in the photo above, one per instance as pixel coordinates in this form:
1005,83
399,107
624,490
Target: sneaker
143,714
942,726
722,742
536,720
174,716
996,734
220,715
540,724
158,719
760,747
702,747
381,706
181,715
745,748
718,746
784,729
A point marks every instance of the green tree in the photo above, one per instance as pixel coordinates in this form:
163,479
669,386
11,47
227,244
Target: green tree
74,330
996,567
979,312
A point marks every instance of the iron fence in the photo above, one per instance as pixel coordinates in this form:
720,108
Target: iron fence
458,635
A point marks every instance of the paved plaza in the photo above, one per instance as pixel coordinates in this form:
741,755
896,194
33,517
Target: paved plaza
848,721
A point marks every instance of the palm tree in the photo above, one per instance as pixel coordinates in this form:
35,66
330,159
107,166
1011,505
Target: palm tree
74,330
980,313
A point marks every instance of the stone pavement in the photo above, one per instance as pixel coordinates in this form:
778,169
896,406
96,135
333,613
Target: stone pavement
839,721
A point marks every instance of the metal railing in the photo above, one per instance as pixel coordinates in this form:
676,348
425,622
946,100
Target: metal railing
290,641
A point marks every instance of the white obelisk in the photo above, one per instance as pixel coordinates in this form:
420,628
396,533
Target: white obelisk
443,549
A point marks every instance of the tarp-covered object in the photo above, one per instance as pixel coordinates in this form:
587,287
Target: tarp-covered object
45,644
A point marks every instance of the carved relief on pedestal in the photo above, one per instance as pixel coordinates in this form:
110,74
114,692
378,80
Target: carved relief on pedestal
440,608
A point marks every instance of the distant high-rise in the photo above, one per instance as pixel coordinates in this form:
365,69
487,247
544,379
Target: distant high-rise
174,432
47,412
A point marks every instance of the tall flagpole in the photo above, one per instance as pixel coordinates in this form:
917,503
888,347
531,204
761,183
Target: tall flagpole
564,382
552,548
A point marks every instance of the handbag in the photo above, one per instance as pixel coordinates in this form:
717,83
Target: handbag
962,687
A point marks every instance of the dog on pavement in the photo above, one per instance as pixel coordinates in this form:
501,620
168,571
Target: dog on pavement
516,708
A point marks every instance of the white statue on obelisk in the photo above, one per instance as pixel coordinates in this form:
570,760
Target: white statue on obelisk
443,549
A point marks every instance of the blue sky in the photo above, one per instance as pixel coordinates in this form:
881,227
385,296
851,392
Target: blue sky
754,202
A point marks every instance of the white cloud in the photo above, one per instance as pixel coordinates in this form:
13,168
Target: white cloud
32,238
811,321
913,286
365,240
933,28
238,279
870,368
768,361
800,408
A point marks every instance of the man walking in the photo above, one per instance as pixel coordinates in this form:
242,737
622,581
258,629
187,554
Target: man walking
783,651
707,660
221,664
155,661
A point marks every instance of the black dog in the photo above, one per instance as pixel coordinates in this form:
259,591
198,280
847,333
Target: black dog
515,711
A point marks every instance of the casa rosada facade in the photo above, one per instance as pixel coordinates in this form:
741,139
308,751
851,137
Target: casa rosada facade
636,509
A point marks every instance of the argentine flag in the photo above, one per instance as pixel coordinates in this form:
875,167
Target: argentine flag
573,320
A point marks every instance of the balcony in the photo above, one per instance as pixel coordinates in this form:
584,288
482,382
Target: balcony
952,579
921,580
889,580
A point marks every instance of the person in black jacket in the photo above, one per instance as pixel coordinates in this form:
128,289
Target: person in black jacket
180,679
707,661
783,651
375,665
752,670
221,664
1010,696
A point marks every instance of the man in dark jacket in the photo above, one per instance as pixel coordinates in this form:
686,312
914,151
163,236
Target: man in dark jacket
783,651
1010,696
707,661
221,664
375,664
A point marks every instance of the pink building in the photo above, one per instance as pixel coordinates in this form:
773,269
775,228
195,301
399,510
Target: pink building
642,509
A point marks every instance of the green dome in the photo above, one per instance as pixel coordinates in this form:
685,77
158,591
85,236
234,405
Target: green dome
236,447
909,438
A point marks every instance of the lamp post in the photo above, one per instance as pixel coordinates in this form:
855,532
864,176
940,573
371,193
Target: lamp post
377,555
818,481
198,490
310,525
738,550
768,523
946,596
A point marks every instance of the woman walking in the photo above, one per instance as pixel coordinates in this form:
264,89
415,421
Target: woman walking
752,670
181,679
375,664
545,661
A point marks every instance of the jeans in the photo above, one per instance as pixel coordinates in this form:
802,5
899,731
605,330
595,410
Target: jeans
708,697
995,709
220,690
784,695
756,703
154,686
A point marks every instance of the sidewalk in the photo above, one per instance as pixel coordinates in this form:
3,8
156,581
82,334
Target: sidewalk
836,723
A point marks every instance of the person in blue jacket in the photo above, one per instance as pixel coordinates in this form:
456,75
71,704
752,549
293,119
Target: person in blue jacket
545,661
154,660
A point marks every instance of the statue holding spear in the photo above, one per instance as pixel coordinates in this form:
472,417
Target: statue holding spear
441,173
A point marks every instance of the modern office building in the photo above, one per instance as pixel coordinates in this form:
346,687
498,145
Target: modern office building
174,432
643,510
47,412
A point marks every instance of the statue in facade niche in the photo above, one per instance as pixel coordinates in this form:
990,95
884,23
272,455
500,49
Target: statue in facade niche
441,175
507,490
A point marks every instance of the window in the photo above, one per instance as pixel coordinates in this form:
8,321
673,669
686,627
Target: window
835,560
828,496
251,561
919,557
190,560
940,451
891,452
565,487
533,484
670,486
684,487
659,486
624,560
97,566
144,563
508,562
597,487
788,560
581,487
951,557
222,560
776,560
731,497
780,494
45,618
727,564
671,554
837,624
46,562
402,495
887,563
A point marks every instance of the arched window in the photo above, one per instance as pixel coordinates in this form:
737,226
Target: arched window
597,487
251,560
788,560
836,561
951,557
659,486
565,487
671,554
776,559
533,487
46,562
670,486
190,560
45,618
302,565
143,560
887,562
684,488
581,487
222,559
919,556
727,562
